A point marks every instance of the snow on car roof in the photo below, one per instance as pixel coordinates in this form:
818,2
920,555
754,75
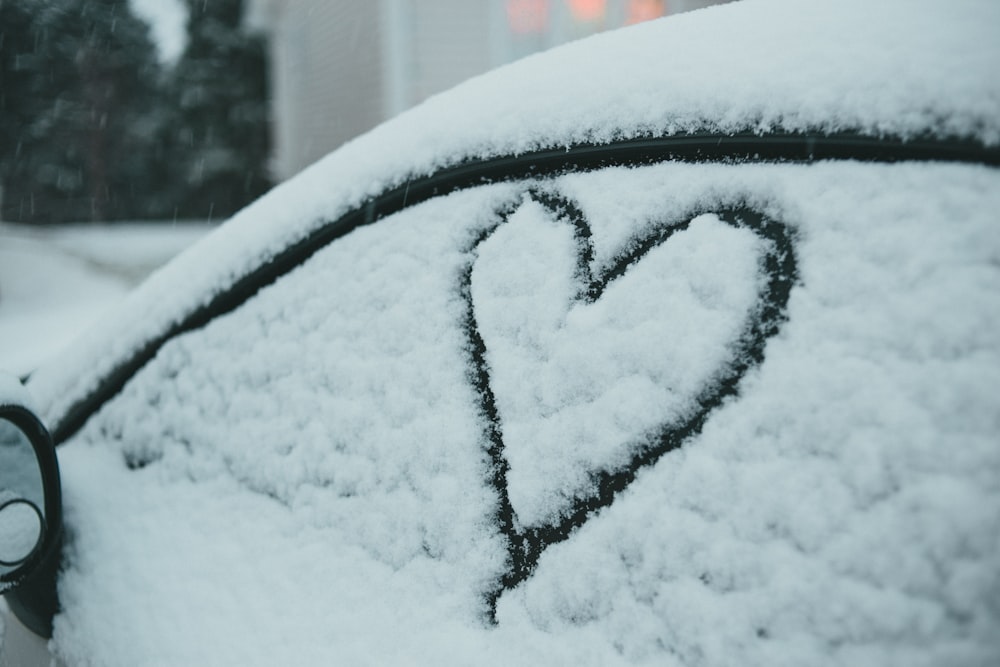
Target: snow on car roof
890,68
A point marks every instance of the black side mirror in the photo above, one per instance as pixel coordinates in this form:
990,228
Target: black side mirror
30,511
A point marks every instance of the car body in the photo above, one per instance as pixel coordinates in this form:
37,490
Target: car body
677,345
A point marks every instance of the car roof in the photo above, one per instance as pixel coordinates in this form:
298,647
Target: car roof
905,71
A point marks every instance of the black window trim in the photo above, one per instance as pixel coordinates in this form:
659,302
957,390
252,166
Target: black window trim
747,147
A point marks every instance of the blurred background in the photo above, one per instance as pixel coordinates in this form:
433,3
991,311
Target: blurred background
98,123
129,127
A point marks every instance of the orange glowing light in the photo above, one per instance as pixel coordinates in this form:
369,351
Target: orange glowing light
587,10
644,10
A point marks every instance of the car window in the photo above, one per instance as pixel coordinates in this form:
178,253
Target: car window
597,417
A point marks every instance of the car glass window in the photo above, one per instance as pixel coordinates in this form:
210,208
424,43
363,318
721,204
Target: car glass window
415,442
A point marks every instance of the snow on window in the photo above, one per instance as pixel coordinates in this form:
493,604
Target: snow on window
310,477
578,377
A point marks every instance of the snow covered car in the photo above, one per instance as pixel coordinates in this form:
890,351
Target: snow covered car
676,345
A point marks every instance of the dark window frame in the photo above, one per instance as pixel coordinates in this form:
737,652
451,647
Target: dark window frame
739,148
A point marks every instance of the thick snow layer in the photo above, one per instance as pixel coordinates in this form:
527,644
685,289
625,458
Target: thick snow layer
575,380
904,67
306,479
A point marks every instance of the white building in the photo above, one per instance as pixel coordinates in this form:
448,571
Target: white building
340,67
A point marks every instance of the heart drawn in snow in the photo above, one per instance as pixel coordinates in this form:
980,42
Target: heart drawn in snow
587,377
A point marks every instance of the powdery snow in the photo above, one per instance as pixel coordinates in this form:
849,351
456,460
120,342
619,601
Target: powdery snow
309,474
574,380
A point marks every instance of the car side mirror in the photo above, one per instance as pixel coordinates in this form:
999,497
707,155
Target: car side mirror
30,511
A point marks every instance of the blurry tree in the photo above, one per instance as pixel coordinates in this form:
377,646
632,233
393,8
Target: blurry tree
93,128
80,128
221,140
18,100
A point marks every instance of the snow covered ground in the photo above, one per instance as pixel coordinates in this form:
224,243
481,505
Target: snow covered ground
55,281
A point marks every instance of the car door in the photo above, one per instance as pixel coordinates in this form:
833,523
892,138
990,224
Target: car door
622,414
